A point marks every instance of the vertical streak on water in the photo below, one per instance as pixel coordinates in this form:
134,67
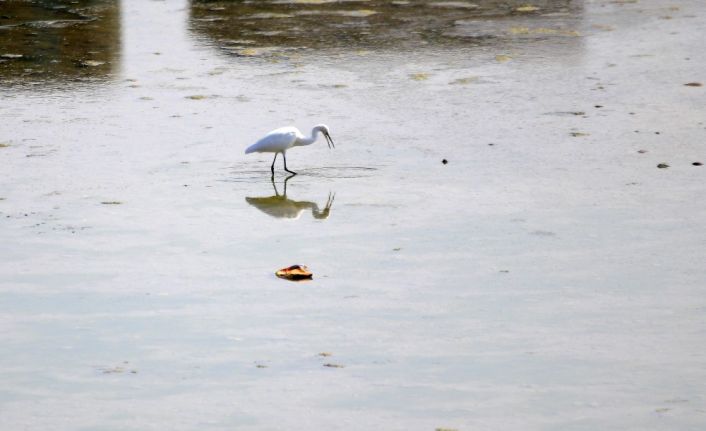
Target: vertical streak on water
155,38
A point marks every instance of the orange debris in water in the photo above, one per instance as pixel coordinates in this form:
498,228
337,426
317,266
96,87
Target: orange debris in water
295,272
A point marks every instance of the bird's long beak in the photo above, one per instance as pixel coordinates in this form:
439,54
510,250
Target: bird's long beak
329,141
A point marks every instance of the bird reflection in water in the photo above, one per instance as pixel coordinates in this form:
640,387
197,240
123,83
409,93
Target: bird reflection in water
280,206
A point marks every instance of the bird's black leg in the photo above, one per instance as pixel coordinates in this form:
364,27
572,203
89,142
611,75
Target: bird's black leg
285,184
285,165
272,178
272,168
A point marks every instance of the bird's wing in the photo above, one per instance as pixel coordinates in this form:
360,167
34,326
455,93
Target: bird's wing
275,141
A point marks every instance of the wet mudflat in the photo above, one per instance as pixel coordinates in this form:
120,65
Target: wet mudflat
548,276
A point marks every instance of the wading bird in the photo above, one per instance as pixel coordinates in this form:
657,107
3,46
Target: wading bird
284,138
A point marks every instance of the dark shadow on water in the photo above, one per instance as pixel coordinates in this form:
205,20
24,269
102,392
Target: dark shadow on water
281,27
46,42
280,206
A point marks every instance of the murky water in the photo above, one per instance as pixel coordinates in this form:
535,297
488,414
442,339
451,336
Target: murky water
549,276
283,27
46,41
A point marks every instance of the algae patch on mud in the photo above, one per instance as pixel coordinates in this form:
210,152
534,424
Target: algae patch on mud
543,31
419,76
464,81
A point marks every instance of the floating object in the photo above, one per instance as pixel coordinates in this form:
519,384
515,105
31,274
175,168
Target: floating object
697,163
444,161
693,84
663,166
295,273
284,138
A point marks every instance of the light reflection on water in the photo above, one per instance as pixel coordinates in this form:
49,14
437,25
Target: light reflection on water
280,206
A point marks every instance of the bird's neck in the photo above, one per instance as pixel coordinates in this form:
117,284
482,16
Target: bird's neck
319,214
310,140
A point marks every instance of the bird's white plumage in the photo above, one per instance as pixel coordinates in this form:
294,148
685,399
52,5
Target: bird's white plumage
276,141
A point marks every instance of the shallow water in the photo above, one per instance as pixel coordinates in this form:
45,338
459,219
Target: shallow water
548,277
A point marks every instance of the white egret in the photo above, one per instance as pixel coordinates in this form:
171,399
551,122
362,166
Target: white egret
284,138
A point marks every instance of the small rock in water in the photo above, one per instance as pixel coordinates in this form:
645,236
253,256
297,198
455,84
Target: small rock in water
444,161
663,166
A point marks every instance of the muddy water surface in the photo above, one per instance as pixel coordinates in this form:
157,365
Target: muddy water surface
549,276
